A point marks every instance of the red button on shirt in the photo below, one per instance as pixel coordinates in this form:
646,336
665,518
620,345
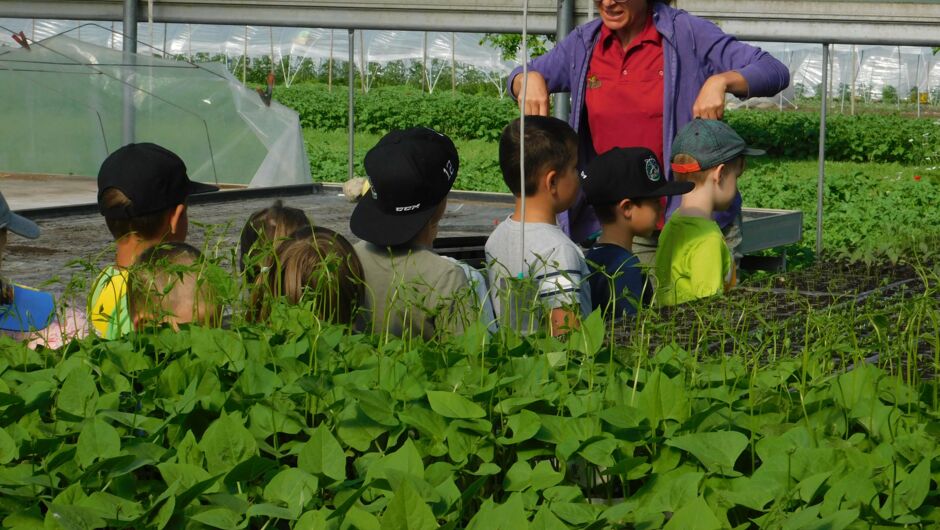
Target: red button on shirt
624,93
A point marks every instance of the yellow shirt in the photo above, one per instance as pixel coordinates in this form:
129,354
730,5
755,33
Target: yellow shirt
692,261
107,306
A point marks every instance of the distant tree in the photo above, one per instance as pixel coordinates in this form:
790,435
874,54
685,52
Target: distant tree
510,43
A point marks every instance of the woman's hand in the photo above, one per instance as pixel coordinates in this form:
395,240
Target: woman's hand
710,103
536,99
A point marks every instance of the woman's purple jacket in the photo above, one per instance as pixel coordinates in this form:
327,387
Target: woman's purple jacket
694,49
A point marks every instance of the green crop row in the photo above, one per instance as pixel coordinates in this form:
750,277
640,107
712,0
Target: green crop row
299,424
383,109
862,138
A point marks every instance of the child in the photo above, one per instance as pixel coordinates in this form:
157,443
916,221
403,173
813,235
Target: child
410,290
315,265
142,191
167,286
553,264
264,232
693,260
29,314
624,186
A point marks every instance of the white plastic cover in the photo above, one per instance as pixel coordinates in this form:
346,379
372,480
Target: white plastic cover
64,99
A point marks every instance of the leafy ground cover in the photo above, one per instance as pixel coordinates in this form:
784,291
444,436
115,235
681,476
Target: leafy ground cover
303,425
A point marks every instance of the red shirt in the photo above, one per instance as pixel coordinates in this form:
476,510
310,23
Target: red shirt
624,93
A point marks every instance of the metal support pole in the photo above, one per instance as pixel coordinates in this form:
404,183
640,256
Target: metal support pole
820,185
898,91
917,84
351,85
563,26
130,49
453,62
854,76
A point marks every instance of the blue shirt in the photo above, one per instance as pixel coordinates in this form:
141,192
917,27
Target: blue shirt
613,261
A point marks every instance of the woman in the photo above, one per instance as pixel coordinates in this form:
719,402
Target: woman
636,76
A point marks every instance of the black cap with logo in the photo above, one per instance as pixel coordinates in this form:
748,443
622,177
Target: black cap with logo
152,177
410,173
627,173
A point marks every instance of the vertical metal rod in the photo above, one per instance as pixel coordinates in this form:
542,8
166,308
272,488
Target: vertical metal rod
363,65
329,79
351,85
820,184
564,24
129,48
854,75
244,57
917,83
426,80
898,91
453,62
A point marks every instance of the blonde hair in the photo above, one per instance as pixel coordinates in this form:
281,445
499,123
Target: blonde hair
264,231
167,285
316,265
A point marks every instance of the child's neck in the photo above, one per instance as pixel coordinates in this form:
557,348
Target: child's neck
616,234
130,247
700,202
536,211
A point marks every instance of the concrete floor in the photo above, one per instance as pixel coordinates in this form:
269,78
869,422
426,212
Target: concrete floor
24,192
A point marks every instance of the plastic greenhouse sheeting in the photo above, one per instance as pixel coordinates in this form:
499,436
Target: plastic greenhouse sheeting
63,104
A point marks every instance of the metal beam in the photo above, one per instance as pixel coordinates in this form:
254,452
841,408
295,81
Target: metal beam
129,47
563,27
853,22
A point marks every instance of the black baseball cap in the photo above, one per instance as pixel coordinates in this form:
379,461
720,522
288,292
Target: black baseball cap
627,173
17,224
410,173
151,176
710,143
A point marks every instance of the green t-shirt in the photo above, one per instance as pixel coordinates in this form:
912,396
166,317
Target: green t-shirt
692,261
107,306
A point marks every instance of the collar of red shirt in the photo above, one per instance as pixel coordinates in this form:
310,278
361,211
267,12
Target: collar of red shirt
649,34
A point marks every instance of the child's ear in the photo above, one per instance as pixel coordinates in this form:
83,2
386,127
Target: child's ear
175,215
718,174
626,208
550,180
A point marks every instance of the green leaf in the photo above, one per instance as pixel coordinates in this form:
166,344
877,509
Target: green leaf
717,451
79,394
293,487
663,398
218,518
8,449
600,452
910,493
452,405
696,515
524,426
408,511
589,338
187,475
72,518
226,443
98,440
322,455
256,380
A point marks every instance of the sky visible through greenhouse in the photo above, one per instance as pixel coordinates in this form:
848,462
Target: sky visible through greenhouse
872,67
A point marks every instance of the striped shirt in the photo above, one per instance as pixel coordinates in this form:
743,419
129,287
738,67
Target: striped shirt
554,273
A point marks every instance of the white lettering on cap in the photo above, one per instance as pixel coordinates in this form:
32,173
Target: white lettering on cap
583,175
407,208
449,171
